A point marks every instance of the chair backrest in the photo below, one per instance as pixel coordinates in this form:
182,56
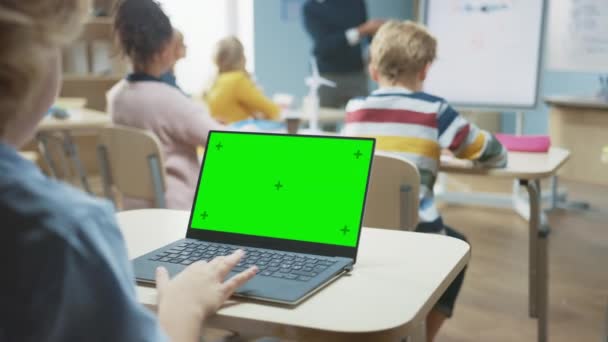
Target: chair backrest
392,198
131,160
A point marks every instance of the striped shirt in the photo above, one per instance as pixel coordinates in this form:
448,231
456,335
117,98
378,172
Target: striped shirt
417,126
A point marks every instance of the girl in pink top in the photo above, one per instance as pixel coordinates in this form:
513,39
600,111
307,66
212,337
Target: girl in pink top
144,101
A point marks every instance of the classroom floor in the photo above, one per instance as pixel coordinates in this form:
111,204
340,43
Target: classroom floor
493,302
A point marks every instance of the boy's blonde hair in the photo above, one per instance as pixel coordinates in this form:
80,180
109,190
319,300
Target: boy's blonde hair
402,49
30,31
229,54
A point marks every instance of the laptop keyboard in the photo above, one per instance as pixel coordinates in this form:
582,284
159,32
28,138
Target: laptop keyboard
274,264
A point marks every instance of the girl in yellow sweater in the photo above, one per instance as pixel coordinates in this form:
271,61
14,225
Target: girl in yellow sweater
234,96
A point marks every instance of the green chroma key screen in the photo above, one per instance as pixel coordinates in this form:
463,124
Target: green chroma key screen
287,187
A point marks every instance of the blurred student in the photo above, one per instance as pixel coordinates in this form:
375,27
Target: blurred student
234,96
66,274
144,101
416,125
179,50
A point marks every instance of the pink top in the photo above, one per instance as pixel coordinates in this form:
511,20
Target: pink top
179,123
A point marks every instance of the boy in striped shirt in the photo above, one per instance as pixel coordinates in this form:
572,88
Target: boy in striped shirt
415,125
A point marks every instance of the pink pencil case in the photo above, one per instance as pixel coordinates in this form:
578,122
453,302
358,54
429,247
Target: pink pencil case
525,143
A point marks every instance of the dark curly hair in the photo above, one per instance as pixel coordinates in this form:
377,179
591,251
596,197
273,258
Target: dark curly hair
142,30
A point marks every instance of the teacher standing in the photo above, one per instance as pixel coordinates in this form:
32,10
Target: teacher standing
337,28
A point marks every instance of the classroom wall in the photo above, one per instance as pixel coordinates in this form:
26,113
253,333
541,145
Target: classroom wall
283,49
552,83
282,54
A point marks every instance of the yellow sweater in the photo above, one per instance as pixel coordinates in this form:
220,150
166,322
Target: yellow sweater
234,97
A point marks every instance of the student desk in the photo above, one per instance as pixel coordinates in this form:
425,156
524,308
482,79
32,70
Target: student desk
529,169
31,156
398,278
71,102
80,119
331,116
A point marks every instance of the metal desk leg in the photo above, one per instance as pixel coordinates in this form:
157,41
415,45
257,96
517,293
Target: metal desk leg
538,281
418,334
43,146
72,151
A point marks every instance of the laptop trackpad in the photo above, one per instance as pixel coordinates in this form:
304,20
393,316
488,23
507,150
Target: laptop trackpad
284,291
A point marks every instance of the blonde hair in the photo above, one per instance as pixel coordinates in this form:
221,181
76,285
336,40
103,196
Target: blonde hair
400,50
30,30
229,54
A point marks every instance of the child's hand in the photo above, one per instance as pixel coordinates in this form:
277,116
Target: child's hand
196,293
370,27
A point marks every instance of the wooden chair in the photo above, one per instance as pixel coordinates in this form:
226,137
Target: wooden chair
131,160
392,197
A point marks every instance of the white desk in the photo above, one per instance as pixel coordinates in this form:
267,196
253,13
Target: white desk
71,102
529,169
398,278
80,119
332,115
31,156
328,116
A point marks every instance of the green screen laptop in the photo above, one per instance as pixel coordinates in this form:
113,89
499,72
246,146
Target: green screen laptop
294,203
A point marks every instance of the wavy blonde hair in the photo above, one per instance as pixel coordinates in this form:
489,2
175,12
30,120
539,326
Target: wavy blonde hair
401,49
30,30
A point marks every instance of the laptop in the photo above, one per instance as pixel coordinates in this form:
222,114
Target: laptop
294,204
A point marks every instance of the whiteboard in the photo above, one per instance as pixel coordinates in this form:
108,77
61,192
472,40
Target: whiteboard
489,51
578,35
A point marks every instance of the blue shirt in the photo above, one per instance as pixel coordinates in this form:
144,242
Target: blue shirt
65,273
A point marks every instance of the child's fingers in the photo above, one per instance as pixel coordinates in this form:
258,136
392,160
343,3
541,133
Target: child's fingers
162,278
223,265
238,280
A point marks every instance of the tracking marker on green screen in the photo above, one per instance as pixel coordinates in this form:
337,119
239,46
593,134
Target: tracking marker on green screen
299,188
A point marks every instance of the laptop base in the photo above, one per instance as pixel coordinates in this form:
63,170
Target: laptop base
283,286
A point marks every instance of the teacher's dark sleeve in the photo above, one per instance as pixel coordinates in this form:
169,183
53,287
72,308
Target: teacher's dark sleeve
325,43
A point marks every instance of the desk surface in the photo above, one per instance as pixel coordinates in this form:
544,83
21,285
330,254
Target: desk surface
396,281
80,118
521,165
577,101
330,115
31,156
71,102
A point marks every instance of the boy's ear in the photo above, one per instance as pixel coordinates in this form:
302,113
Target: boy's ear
424,73
373,72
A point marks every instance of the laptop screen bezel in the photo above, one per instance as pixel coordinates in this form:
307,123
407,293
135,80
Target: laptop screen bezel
294,246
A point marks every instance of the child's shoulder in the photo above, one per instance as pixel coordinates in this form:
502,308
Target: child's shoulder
398,99
421,95
233,76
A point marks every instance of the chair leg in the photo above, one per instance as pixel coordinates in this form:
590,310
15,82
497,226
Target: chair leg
405,192
158,181
104,169
43,146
